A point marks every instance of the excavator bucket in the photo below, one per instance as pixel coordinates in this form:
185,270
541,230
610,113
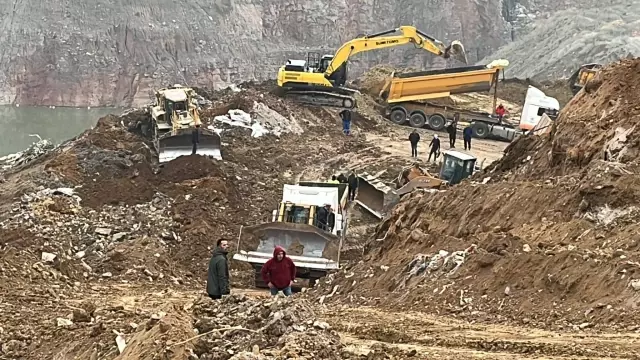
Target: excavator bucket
420,182
175,146
456,50
373,194
297,240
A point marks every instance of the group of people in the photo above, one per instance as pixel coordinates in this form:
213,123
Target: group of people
452,130
351,180
278,273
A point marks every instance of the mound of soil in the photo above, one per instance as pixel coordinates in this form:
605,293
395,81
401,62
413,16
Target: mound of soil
546,239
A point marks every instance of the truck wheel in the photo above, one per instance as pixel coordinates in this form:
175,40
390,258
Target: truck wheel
417,120
437,122
480,130
398,116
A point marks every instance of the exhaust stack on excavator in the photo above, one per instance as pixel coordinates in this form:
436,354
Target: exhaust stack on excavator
176,126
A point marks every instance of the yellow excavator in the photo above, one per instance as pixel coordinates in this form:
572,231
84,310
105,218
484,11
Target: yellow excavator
320,79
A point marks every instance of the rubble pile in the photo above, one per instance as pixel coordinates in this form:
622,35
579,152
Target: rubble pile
238,327
553,221
81,243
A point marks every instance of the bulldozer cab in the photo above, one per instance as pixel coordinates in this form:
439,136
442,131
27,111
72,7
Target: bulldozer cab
457,166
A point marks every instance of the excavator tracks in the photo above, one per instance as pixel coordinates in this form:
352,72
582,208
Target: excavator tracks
322,98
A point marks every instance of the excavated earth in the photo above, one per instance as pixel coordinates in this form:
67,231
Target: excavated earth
545,237
103,253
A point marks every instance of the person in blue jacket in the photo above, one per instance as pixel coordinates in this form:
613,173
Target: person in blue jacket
466,135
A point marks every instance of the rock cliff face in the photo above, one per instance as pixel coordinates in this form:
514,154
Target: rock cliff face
113,53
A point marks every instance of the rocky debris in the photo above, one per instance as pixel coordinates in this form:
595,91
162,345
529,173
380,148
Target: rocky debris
276,327
37,149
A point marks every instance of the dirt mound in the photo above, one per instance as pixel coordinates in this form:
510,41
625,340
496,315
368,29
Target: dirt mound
189,168
546,239
273,328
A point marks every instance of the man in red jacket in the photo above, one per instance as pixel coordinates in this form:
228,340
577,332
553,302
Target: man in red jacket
279,272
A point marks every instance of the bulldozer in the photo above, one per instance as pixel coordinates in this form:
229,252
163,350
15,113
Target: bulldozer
294,225
582,75
174,121
320,80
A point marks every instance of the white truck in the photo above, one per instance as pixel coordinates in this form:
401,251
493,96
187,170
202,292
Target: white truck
294,225
536,104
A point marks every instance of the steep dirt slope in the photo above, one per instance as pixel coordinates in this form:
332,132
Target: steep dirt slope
107,53
548,238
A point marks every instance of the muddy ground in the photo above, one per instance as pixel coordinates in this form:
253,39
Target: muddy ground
103,253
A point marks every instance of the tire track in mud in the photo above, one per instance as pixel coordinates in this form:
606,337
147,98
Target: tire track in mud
418,334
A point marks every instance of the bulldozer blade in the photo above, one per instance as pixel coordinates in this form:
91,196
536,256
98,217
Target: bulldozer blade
456,50
175,146
420,182
297,239
372,196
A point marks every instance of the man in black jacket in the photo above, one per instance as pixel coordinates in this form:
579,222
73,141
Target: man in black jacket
218,274
353,185
452,130
414,137
195,139
435,148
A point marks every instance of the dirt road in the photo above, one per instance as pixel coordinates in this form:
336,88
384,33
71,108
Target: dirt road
444,338
396,143
363,330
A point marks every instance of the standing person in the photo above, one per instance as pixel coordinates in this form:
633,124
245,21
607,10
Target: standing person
414,137
342,179
334,180
218,274
331,220
435,148
279,272
346,121
322,217
352,180
452,130
500,111
466,135
195,139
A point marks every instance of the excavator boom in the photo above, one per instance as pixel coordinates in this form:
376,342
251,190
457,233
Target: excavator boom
409,35
320,83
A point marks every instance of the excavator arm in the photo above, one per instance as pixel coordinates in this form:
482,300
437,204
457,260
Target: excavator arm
408,35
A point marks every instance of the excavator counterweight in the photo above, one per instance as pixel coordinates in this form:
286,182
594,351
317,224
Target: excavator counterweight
320,80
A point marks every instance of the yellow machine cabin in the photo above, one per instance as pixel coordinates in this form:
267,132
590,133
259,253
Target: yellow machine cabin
581,76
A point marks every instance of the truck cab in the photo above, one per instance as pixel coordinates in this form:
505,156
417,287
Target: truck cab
536,104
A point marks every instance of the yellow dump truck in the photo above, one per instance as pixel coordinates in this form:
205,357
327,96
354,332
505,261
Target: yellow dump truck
406,98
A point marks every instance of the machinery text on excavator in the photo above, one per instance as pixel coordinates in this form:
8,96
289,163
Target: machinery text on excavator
320,80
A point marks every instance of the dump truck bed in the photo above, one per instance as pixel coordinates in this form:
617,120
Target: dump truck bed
433,84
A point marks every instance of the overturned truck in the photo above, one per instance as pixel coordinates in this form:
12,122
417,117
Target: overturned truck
294,225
